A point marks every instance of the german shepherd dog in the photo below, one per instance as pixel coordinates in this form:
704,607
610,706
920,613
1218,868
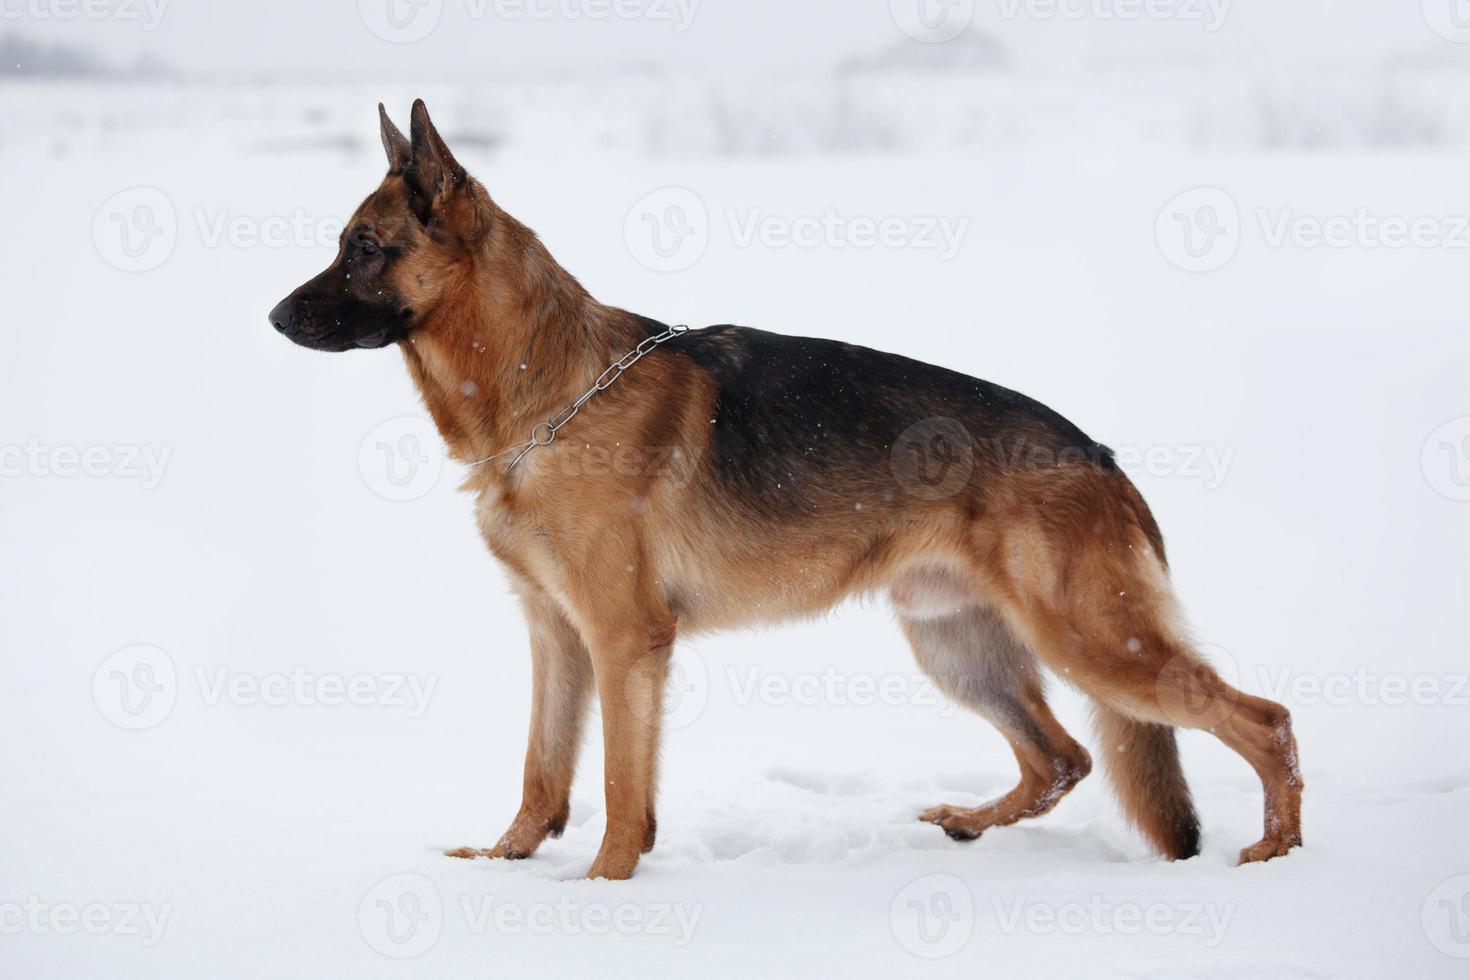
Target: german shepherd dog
733,476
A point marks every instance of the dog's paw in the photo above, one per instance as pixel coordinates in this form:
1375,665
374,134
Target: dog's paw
960,823
501,850
1268,848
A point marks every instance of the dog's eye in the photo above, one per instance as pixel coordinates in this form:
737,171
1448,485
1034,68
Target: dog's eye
364,244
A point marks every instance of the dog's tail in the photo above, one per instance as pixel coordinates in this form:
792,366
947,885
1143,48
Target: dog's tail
1142,760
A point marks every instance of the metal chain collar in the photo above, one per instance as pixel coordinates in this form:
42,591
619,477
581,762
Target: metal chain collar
544,433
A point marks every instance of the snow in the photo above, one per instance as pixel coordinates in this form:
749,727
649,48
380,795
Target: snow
347,672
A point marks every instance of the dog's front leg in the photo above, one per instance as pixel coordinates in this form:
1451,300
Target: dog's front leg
631,663
561,677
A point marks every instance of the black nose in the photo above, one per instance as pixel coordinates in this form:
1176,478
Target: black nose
283,314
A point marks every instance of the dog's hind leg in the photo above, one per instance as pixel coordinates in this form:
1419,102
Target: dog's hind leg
976,660
561,676
1087,588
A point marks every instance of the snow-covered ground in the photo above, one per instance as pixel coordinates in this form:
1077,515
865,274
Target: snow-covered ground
204,536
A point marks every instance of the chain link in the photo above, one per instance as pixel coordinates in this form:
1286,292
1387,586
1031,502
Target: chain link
544,433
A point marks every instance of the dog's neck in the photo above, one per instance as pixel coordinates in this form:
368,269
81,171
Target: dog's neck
516,339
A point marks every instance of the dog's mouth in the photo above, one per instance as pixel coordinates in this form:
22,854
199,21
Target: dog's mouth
340,325
388,334
379,338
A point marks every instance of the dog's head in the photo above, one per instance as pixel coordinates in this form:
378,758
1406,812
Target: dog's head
400,255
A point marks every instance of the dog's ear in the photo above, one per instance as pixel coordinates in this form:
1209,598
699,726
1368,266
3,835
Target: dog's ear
433,174
395,144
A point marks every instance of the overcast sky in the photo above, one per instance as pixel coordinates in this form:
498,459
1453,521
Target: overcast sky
299,36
